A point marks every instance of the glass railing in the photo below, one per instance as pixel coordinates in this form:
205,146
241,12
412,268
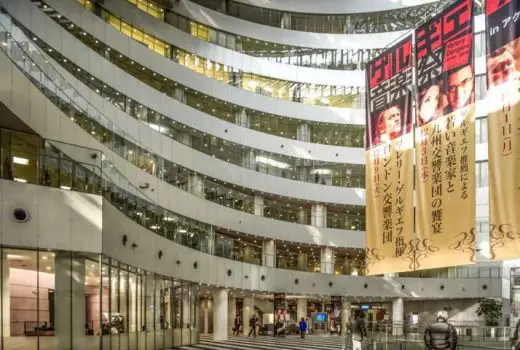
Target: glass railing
27,56
348,135
340,59
390,335
312,94
357,23
306,170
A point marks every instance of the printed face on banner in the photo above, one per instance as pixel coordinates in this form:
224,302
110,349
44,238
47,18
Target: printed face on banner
503,67
445,76
389,105
444,139
389,160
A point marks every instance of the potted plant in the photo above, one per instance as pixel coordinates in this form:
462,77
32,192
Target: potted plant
491,310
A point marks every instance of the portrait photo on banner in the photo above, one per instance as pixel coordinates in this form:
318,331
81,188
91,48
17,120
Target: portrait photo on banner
444,139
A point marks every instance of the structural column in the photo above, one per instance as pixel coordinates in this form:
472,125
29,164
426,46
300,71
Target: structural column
247,312
269,253
232,313
345,314
6,298
259,205
249,254
397,316
220,314
205,307
69,301
301,309
319,215
248,159
302,216
179,94
242,118
285,22
196,185
303,132
347,267
327,260
302,262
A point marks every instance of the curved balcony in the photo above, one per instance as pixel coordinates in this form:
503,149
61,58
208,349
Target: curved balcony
225,57
93,29
295,90
183,202
338,59
366,18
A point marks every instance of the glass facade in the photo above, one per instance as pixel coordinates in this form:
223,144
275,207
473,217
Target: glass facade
371,22
70,300
323,95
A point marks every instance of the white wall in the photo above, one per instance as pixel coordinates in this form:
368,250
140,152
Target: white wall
459,310
219,54
58,219
213,270
34,109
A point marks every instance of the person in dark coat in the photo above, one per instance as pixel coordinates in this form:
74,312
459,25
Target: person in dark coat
253,321
515,342
303,327
441,335
237,325
358,331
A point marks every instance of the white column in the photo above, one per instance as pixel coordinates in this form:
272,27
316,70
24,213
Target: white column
196,185
347,267
301,309
302,262
248,159
220,314
185,138
327,260
232,313
269,253
69,301
6,298
303,132
203,306
345,314
302,217
259,205
285,21
186,308
319,215
242,119
247,312
398,316
179,94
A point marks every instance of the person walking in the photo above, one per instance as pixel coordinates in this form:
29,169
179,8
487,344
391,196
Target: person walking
440,335
515,342
303,328
237,326
252,326
359,331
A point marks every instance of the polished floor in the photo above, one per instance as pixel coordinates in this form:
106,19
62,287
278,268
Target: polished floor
313,342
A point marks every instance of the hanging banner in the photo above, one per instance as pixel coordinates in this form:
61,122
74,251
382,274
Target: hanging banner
445,139
503,67
389,161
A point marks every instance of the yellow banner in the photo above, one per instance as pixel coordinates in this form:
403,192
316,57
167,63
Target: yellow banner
446,206
503,73
504,176
389,216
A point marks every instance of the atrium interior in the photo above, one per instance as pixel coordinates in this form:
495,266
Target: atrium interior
183,174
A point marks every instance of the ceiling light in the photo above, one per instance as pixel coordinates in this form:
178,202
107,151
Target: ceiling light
20,160
67,188
18,179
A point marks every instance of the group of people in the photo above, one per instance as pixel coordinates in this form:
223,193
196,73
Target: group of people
440,335
254,322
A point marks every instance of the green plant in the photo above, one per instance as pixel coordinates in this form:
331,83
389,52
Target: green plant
491,309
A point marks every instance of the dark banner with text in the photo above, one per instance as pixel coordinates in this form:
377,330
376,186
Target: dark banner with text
503,67
445,139
389,160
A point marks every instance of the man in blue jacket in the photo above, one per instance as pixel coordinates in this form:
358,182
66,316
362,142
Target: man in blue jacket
303,328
